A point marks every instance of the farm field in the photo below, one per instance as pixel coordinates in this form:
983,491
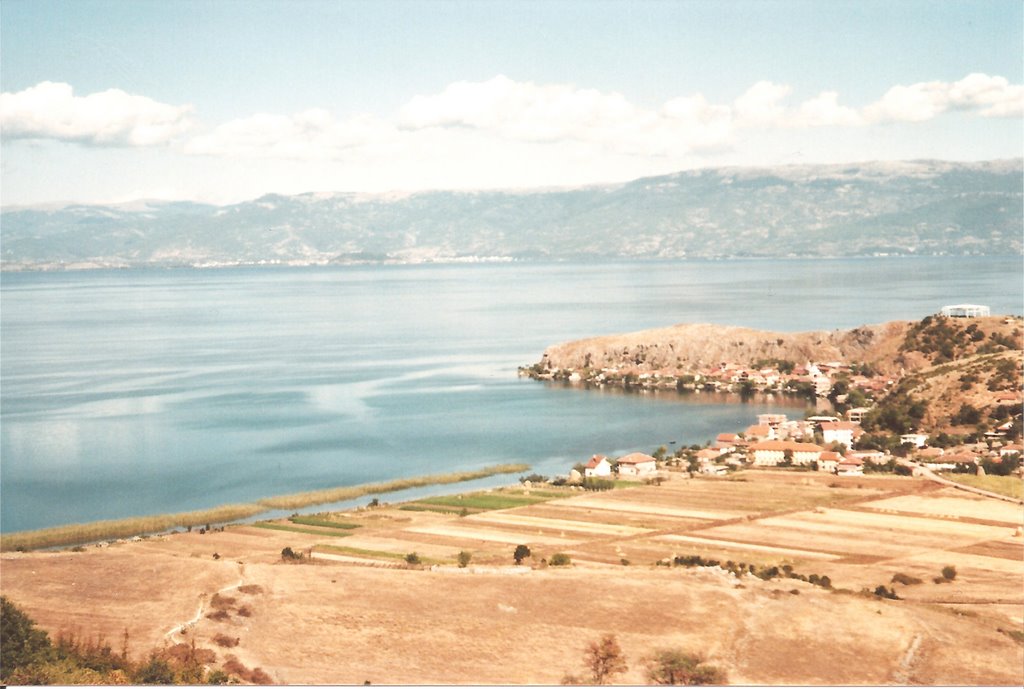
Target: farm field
357,612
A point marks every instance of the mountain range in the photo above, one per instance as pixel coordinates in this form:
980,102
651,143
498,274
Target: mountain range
887,208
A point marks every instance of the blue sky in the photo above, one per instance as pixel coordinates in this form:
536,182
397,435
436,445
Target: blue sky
226,100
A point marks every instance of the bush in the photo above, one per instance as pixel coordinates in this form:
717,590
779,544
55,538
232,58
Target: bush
23,644
560,560
949,572
520,553
290,555
906,580
156,671
412,559
604,658
882,592
225,641
464,558
598,484
669,666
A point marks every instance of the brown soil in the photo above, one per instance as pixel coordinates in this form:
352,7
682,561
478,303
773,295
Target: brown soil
336,621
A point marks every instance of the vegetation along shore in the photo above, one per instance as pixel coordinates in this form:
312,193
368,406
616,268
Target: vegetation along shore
74,534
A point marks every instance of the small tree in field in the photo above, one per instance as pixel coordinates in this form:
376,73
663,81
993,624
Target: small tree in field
949,572
603,659
670,666
464,557
521,553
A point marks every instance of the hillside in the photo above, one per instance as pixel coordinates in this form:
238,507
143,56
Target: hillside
692,347
919,207
943,362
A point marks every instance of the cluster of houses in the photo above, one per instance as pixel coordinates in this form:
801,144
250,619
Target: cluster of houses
776,441
821,376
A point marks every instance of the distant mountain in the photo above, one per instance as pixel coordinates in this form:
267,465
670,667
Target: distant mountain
917,207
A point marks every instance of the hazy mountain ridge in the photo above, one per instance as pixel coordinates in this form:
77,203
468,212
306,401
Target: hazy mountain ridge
917,207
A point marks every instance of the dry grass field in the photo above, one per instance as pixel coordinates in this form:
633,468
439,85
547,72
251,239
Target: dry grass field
357,612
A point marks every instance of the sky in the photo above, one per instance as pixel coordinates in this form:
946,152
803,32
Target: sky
226,100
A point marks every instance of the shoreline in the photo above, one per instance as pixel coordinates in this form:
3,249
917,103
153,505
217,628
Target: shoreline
129,527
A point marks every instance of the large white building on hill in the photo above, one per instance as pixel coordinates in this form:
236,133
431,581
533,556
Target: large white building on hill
965,311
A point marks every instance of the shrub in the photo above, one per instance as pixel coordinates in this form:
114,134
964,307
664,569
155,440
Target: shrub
225,641
520,553
23,644
597,484
412,559
156,671
949,572
670,666
560,560
217,677
464,558
905,579
882,592
288,554
604,658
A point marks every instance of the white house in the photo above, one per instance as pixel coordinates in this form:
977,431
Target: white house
850,466
772,452
915,439
839,432
856,415
637,464
760,432
597,466
829,461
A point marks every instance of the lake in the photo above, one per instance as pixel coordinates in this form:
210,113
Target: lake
149,391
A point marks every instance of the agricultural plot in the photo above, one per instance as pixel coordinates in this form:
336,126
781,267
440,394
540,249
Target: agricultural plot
471,534
557,525
952,503
643,507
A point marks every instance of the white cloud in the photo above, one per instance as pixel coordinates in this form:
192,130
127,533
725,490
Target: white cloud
308,135
990,96
761,104
824,111
513,122
50,110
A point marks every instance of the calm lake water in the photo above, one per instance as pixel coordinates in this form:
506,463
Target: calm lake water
150,391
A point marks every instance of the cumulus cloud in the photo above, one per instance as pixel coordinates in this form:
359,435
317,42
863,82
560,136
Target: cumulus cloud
309,135
476,115
989,96
51,110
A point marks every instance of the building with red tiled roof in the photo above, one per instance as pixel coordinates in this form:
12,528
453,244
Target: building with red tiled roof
637,464
1015,448
760,432
773,452
598,466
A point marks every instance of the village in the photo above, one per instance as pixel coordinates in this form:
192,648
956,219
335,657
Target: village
817,443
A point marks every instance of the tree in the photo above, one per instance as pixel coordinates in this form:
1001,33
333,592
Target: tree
156,671
412,558
521,553
23,644
604,658
949,572
464,558
670,666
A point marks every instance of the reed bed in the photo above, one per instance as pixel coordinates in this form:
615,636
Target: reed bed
72,534
318,497
76,534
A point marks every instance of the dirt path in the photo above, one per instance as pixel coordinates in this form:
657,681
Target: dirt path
190,624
